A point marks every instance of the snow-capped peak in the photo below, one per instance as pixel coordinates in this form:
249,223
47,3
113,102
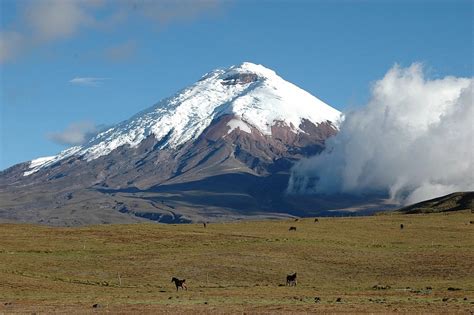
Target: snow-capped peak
253,68
254,93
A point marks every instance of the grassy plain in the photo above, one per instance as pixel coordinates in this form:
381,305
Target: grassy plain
427,267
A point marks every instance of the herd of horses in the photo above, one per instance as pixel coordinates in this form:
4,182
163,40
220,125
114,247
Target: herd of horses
290,279
181,283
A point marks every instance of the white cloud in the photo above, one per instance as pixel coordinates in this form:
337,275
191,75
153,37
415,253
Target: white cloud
87,81
413,141
75,134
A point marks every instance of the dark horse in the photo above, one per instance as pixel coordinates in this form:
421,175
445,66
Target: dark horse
179,283
291,280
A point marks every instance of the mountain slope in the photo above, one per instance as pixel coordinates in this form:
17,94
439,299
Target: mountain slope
458,201
256,96
244,124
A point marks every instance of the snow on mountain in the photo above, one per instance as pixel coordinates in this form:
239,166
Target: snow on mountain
237,123
37,164
255,95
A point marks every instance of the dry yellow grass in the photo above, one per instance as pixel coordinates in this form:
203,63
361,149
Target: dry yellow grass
240,267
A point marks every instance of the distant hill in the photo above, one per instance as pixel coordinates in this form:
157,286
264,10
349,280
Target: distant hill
453,202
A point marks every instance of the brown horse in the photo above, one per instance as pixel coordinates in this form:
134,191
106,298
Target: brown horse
179,283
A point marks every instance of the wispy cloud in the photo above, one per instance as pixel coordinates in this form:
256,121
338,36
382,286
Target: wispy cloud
121,52
11,43
41,22
56,19
169,11
76,133
88,81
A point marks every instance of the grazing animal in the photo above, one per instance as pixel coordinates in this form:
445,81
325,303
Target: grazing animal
401,226
292,228
204,224
291,280
179,283
316,220
296,220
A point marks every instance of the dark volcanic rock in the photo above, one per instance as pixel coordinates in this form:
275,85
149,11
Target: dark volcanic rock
240,78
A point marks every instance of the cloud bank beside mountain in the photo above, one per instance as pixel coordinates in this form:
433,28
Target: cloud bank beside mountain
413,141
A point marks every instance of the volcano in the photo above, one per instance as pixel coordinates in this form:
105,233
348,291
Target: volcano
220,149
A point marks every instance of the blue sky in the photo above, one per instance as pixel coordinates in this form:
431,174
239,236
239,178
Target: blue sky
141,51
